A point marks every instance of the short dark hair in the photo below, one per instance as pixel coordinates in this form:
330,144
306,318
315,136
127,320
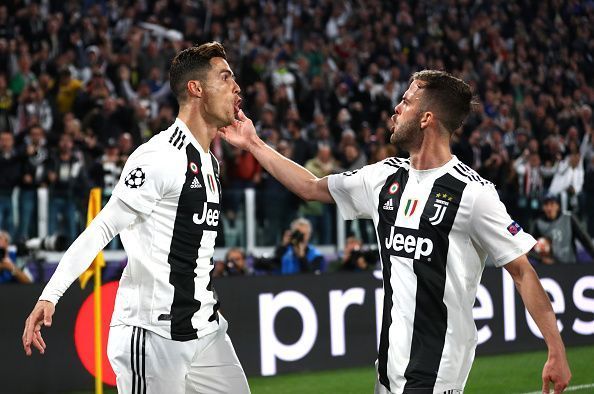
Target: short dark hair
449,97
192,63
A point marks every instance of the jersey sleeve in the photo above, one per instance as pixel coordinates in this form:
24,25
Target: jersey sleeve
352,193
145,179
495,231
112,219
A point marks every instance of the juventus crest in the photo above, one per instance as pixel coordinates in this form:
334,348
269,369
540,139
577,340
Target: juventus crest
442,200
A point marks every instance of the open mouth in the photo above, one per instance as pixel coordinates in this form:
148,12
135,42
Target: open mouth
237,106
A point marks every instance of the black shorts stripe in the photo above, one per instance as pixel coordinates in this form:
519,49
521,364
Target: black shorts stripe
430,322
143,361
387,218
183,252
132,360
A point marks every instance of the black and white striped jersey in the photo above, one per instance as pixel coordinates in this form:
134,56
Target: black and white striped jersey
166,286
435,229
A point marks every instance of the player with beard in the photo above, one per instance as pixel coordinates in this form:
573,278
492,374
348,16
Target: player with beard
436,222
166,333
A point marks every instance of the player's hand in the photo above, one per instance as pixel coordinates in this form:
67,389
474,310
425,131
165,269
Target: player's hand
556,370
40,316
241,133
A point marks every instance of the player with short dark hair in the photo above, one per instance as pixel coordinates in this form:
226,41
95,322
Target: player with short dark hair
166,333
436,222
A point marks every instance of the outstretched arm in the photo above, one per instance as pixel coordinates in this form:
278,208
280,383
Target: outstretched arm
556,369
111,220
294,177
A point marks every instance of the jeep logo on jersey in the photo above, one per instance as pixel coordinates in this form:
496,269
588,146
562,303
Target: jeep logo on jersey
406,243
209,216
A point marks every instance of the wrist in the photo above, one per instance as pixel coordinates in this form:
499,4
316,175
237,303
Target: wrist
556,351
254,143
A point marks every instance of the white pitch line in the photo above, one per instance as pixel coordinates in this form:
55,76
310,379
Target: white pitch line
570,388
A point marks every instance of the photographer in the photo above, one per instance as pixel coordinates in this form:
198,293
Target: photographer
9,272
234,264
357,259
300,256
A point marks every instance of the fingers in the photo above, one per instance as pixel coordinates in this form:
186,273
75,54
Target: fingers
40,339
545,385
222,132
38,344
559,387
27,336
241,115
41,316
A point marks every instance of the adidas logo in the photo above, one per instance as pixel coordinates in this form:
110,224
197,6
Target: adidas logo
195,184
389,205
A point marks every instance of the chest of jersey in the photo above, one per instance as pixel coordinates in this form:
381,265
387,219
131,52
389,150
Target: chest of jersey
414,218
198,206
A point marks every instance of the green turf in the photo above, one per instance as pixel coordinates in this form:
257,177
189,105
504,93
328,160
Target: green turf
515,373
512,373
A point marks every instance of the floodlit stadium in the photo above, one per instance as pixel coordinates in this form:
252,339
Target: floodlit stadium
302,196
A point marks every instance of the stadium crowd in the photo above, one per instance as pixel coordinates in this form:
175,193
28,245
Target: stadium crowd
84,83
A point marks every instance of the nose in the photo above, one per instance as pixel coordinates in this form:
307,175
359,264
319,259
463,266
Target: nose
398,108
236,88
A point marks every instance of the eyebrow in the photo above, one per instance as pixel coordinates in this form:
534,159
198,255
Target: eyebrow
227,72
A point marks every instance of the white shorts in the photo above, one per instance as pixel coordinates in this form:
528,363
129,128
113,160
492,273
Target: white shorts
146,363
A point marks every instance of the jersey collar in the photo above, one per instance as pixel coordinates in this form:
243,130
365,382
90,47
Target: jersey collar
433,173
184,128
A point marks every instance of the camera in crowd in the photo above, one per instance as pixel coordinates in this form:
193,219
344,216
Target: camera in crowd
297,237
358,258
232,269
51,243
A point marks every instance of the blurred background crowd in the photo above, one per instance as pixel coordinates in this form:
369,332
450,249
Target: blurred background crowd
83,83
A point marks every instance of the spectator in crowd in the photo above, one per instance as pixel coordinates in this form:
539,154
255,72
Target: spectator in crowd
67,179
319,214
300,256
588,195
9,271
34,175
10,163
561,230
531,186
568,181
106,171
278,205
68,89
24,76
33,109
234,264
6,104
331,63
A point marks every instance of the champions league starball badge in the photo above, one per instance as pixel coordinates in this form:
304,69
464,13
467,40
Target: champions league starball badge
135,178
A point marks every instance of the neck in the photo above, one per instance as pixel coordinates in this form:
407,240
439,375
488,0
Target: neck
203,131
434,152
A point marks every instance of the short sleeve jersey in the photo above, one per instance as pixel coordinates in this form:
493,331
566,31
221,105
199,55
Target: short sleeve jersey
435,229
166,286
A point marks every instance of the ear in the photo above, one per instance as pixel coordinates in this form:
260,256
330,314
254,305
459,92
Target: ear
194,88
426,119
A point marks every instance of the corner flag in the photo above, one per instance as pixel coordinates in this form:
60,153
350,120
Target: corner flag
99,262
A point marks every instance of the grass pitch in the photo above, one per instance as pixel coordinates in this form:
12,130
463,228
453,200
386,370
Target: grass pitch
510,373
